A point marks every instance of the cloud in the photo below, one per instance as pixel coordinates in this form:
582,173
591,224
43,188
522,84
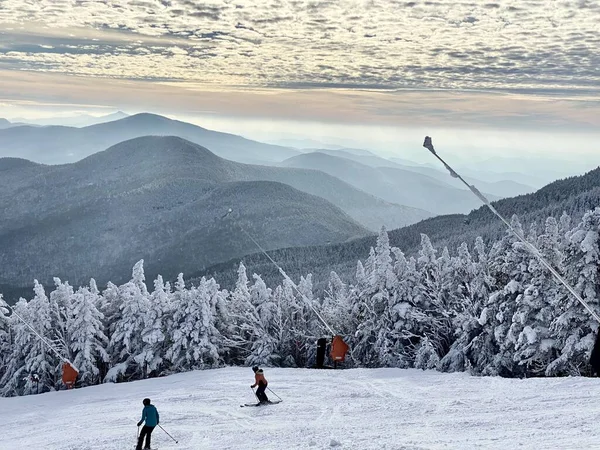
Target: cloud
444,44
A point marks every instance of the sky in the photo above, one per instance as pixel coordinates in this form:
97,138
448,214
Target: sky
282,69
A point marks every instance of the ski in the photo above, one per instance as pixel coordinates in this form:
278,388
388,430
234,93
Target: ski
260,404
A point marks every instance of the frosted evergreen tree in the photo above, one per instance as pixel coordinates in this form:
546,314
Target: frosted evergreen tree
427,356
40,360
61,311
5,337
405,318
110,305
126,344
535,347
219,308
158,322
468,305
371,310
283,333
510,266
382,276
263,350
564,225
15,373
434,299
240,334
303,323
575,329
195,337
476,341
336,305
88,342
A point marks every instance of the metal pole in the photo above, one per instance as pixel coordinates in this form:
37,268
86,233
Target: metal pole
532,248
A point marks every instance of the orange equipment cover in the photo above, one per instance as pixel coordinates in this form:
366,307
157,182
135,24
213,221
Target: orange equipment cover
69,375
338,349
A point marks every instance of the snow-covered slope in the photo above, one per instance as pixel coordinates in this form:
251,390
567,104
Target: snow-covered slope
347,409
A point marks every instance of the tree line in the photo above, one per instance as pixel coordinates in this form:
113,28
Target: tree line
490,309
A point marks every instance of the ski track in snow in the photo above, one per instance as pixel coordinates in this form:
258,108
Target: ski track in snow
346,409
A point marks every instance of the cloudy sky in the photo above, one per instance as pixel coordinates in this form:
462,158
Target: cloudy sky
510,65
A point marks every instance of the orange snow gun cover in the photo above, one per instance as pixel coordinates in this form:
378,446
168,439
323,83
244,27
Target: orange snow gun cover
338,349
69,375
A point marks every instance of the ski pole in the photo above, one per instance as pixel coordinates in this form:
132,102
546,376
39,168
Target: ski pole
270,390
255,394
176,441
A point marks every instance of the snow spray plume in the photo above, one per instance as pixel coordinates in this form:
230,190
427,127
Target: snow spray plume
285,275
532,248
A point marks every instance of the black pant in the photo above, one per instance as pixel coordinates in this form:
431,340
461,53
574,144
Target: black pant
146,432
260,393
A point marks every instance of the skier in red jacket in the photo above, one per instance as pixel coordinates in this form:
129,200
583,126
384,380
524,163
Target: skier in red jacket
261,382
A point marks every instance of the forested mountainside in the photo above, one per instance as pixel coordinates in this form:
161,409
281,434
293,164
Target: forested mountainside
161,198
573,195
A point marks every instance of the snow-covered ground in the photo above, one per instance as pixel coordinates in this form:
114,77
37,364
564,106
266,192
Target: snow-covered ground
348,409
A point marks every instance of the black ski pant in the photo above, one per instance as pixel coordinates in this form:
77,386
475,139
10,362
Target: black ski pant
147,433
260,392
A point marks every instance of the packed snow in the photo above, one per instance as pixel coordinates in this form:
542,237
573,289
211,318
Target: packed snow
321,409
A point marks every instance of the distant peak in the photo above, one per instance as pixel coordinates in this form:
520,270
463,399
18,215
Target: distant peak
172,145
146,116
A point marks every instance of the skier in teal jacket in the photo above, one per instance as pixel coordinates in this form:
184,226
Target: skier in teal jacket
151,419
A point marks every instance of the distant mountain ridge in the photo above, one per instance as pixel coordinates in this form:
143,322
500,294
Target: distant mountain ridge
157,198
391,184
60,144
573,195
497,187
81,120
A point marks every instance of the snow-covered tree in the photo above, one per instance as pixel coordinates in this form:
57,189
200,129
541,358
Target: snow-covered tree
336,305
158,322
39,359
574,328
15,373
535,346
195,337
126,347
61,310
262,314
87,340
5,337
510,260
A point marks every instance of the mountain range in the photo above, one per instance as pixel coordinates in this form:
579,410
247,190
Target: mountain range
162,198
60,144
574,195
497,188
395,185
79,120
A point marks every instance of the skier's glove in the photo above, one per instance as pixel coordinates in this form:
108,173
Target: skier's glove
139,424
